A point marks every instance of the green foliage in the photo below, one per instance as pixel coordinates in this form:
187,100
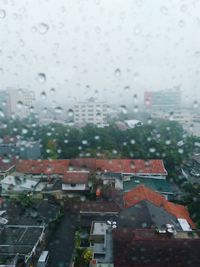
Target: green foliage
24,200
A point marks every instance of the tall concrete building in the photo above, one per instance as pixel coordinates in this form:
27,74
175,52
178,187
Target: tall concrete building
90,112
166,100
4,104
21,102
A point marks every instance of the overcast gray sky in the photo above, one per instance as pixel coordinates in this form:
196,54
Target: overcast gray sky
79,45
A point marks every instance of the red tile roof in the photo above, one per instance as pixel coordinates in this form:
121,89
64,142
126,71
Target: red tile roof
42,166
141,193
92,164
6,164
131,166
75,178
82,164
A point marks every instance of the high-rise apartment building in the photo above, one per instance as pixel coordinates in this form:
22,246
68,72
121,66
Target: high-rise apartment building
21,102
4,104
90,112
165,100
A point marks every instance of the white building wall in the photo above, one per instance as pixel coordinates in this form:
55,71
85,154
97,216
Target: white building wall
27,98
77,187
90,112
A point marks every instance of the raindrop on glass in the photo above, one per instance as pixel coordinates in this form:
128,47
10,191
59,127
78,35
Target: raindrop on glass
164,10
43,28
2,13
41,77
43,95
58,110
19,104
117,72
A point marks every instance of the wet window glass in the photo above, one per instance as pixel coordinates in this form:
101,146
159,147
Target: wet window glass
99,133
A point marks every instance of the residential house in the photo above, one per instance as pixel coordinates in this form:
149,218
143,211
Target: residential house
142,193
101,243
15,183
75,181
98,211
161,186
7,166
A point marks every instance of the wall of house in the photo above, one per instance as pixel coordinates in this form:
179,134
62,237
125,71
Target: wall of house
75,187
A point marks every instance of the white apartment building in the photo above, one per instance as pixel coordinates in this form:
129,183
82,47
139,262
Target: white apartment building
21,102
90,112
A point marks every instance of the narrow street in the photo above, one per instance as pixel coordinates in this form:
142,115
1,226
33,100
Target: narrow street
61,242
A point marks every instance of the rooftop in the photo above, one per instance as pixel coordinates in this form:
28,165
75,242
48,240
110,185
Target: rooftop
19,239
6,164
99,228
146,215
42,166
141,193
159,185
75,177
91,164
136,166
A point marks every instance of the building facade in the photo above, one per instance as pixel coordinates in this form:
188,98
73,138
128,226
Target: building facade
21,102
165,100
90,112
5,104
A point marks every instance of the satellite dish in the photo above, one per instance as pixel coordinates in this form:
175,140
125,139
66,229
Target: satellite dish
114,222
114,226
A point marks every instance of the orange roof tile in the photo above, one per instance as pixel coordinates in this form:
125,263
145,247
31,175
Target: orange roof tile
141,193
75,177
131,166
42,166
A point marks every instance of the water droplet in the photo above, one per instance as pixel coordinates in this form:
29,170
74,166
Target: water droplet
2,115
19,104
43,95
45,110
117,72
123,109
41,77
181,23
70,113
135,76
24,131
2,13
58,110
183,8
180,151
168,142
135,108
137,29
132,141
34,29
31,109
195,104
127,89
52,91
164,10
114,151
152,150
43,28
84,142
